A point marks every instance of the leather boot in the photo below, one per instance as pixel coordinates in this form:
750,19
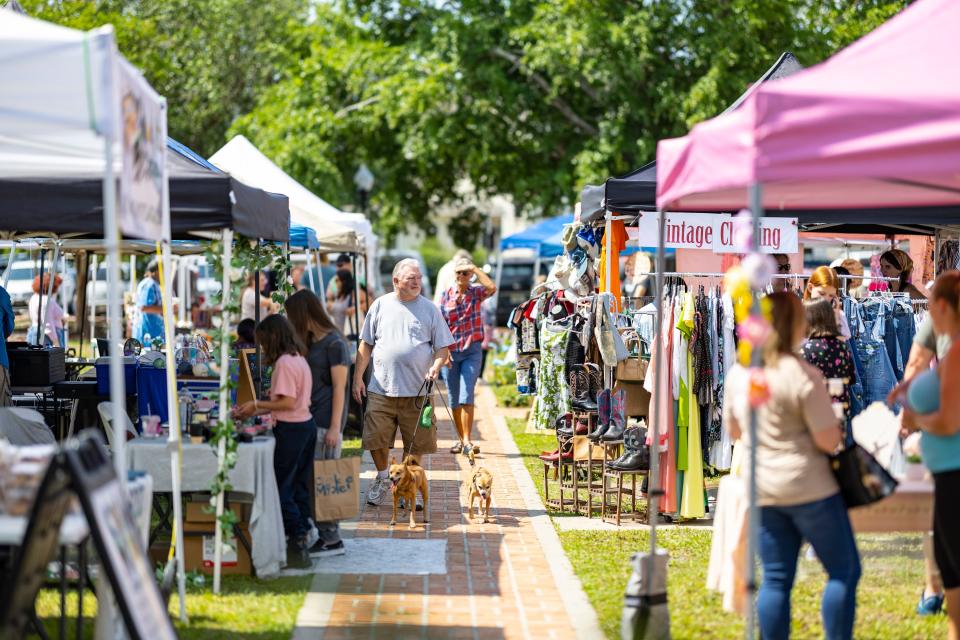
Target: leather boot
614,433
599,431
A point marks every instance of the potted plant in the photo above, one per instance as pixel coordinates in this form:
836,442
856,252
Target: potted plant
914,469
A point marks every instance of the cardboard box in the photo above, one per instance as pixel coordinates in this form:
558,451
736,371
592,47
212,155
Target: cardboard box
195,511
198,550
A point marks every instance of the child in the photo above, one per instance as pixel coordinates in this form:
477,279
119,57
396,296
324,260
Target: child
825,349
294,429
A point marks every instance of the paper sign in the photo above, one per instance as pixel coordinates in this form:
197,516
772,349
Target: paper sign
143,145
714,232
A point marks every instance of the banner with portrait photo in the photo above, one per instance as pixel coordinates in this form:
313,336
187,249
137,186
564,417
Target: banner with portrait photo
143,147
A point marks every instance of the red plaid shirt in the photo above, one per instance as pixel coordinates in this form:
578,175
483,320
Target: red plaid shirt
462,313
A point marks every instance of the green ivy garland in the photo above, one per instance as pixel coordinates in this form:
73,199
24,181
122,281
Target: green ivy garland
248,257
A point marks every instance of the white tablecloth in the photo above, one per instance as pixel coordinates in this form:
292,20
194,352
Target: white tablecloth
253,474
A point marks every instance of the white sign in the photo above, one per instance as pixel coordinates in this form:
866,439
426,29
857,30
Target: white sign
143,144
714,232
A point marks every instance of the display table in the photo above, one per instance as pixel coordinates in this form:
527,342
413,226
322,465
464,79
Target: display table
253,474
910,508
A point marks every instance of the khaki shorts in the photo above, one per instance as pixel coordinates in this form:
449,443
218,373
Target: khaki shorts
385,414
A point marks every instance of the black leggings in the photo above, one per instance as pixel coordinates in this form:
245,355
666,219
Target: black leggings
946,527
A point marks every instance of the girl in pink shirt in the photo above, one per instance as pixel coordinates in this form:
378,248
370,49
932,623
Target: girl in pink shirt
294,429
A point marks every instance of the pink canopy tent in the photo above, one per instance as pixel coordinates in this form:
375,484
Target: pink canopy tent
875,126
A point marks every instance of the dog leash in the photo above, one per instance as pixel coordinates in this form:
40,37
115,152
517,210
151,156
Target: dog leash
424,405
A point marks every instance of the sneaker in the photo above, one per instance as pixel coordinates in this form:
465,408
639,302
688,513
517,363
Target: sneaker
378,489
457,448
321,550
297,555
930,605
419,502
312,536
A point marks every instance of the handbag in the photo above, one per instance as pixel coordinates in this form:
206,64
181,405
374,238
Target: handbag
862,479
634,368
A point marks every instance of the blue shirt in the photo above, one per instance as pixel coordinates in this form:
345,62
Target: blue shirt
940,453
6,324
148,324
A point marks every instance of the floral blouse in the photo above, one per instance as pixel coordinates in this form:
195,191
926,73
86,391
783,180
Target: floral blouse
832,356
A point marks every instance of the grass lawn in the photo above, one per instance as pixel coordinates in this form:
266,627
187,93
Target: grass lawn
246,609
887,595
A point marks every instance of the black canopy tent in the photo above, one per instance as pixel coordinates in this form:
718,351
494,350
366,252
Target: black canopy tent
203,200
637,191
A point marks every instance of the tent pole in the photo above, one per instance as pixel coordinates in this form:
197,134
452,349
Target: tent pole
756,208
93,305
323,286
174,434
256,318
356,301
118,394
83,268
40,327
309,271
10,259
133,274
224,394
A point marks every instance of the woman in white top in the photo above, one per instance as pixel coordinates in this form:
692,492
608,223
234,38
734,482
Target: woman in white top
248,299
54,332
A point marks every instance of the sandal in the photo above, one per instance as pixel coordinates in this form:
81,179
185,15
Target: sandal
457,448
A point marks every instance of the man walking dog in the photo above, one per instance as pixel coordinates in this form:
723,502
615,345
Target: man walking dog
407,339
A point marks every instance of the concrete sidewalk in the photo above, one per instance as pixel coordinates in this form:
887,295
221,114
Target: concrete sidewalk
454,579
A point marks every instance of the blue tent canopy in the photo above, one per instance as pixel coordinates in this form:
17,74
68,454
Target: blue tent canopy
543,237
303,237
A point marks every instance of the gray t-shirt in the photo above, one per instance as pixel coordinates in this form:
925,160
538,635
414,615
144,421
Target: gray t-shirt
404,337
926,338
329,351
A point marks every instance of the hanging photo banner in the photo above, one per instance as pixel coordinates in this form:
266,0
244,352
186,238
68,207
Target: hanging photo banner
143,145
714,232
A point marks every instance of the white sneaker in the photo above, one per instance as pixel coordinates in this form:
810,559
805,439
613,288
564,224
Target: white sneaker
376,492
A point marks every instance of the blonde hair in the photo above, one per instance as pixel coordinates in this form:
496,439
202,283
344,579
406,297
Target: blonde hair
821,277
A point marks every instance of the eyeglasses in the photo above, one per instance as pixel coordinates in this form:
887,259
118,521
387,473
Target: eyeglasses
783,268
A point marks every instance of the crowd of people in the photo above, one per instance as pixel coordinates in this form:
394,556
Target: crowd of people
798,494
406,342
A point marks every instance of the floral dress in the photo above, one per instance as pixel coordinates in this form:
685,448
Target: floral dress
553,398
832,357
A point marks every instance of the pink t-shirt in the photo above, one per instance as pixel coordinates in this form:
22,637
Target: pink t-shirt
291,377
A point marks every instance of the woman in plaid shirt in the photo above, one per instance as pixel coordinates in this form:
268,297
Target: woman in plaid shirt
460,305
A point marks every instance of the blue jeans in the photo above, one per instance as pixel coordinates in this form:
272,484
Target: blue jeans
869,330
293,466
462,374
826,525
904,330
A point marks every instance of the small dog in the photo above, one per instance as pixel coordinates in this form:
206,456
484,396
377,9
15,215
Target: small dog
481,486
405,479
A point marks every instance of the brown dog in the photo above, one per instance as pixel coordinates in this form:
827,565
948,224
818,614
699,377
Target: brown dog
405,479
481,486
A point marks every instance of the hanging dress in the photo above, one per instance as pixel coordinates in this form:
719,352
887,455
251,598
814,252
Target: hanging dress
665,425
691,498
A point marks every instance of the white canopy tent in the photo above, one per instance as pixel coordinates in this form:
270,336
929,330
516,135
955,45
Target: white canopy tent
74,106
244,161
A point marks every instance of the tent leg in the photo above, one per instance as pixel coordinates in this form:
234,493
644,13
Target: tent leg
93,303
756,208
118,395
309,271
6,271
224,396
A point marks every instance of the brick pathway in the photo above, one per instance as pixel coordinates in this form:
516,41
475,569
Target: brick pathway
498,582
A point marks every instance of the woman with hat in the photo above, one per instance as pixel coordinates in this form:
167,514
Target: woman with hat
897,264
460,306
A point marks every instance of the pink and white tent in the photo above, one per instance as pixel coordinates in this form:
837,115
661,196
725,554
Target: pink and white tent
876,126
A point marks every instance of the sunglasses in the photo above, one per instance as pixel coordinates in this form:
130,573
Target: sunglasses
464,273
784,268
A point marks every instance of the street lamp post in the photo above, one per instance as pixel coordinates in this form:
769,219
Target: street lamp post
363,178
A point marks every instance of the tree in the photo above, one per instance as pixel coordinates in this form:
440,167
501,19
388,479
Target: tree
210,58
528,98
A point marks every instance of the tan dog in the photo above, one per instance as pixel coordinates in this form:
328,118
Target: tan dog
405,479
481,486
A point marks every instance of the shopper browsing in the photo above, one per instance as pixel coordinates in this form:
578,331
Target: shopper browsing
148,323
408,341
824,283
51,314
461,308
248,298
291,384
940,444
898,264
824,348
798,496
329,360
